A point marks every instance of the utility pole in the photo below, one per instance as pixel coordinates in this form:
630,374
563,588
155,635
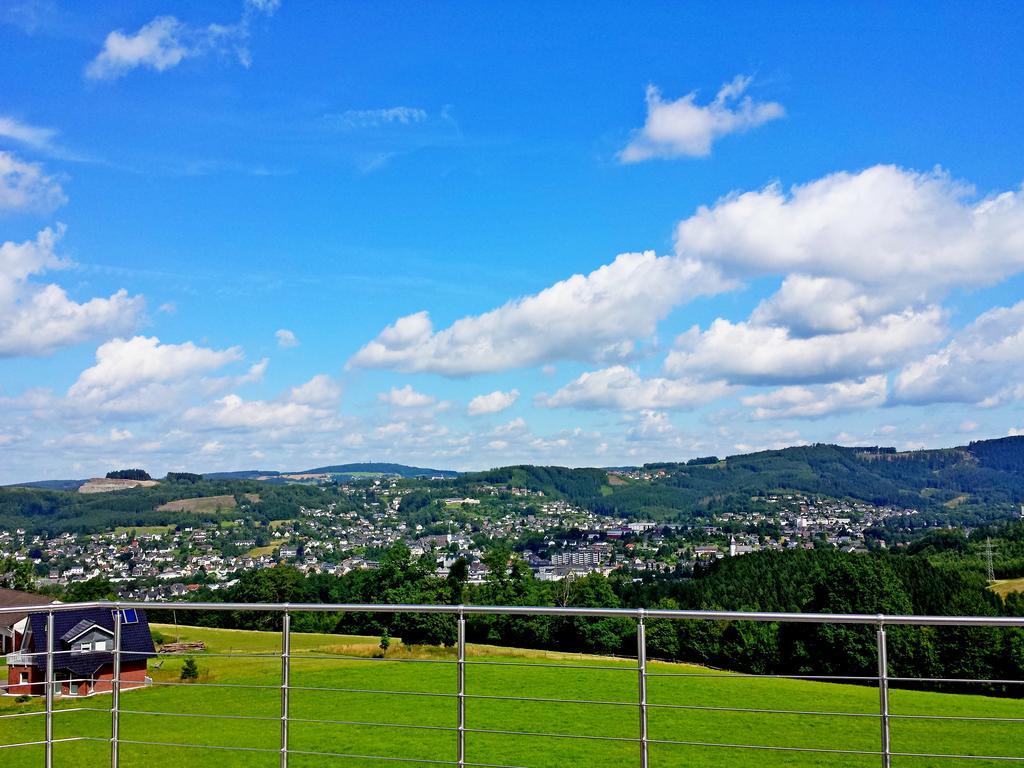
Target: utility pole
988,559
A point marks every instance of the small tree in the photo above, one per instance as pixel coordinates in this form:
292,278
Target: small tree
190,670
385,641
15,575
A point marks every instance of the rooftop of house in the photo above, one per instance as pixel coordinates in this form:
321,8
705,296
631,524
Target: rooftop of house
13,598
136,640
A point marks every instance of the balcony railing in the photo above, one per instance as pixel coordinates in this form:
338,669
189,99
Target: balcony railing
640,743
18,659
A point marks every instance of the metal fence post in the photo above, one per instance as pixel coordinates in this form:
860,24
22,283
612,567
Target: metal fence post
49,690
115,695
641,663
883,695
286,646
461,718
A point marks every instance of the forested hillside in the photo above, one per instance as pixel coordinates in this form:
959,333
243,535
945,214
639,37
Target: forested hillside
955,484
49,511
971,485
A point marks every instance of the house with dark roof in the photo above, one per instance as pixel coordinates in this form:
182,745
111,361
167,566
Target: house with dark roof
83,659
12,625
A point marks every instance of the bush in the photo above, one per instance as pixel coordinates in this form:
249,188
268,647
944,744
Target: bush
189,670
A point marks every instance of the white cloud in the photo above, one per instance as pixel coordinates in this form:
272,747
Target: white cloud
773,440
983,364
817,401
266,7
881,227
683,128
130,373
25,187
652,426
813,305
866,256
516,426
623,388
494,402
161,44
119,435
286,338
165,42
233,413
751,354
586,317
374,118
255,373
321,390
406,397
30,135
37,319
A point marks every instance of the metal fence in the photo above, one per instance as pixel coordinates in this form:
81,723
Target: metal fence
643,741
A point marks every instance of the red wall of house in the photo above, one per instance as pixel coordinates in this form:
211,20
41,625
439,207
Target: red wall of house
15,688
133,675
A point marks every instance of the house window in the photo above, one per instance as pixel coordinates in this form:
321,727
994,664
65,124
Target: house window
99,645
82,648
23,678
128,616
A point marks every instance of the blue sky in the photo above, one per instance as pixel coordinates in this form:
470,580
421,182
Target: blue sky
264,233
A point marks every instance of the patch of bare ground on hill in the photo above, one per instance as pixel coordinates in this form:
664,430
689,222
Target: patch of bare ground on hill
1003,587
106,485
200,504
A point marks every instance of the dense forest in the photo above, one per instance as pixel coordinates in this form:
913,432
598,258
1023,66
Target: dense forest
824,581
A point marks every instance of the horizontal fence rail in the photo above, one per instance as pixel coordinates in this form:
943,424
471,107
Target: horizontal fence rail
463,700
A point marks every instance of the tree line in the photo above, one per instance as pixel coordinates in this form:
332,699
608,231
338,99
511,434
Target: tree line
804,581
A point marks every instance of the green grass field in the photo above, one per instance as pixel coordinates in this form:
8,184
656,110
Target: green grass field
267,550
142,530
207,713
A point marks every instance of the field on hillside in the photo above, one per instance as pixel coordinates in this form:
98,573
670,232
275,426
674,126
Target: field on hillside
142,530
267,550
1003,587
230,686
199,504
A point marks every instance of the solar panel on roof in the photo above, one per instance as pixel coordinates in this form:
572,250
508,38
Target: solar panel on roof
129,616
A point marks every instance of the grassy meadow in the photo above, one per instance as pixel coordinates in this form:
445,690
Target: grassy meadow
1003,587
206,713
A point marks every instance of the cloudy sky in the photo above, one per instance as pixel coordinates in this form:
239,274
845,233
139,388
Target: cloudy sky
273,234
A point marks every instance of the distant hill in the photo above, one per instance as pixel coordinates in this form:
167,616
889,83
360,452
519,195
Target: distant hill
51,485
243,474
970,485
365,468
401,470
